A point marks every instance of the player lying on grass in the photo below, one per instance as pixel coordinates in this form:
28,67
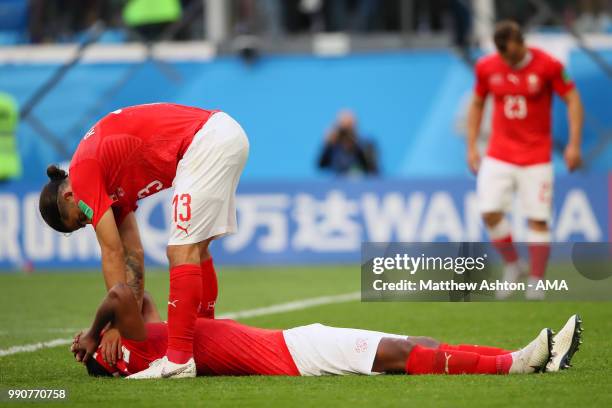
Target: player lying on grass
226,347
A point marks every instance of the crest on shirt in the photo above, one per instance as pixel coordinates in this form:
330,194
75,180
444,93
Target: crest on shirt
533,82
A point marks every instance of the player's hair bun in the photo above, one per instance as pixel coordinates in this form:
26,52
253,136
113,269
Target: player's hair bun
49,203
55,173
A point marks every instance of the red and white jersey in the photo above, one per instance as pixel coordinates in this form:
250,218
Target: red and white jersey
522,105
221,347
130,154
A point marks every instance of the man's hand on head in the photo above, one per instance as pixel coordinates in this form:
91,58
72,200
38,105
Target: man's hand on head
74,346
84,346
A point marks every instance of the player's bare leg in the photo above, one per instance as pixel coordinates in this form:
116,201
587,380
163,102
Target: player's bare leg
538,236
424,355
392,353
500,233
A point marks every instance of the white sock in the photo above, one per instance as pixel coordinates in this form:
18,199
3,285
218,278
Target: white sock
534,236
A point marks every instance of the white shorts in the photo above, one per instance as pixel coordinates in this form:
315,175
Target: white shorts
497,181
203,203
322,350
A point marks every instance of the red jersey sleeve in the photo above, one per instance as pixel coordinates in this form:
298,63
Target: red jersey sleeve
481,87
561,82
88,188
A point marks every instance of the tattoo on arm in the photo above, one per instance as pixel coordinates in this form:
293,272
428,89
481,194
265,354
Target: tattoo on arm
134,269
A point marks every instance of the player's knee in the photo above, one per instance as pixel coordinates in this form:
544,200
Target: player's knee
492,219
538,225
183,254
425,341
392,354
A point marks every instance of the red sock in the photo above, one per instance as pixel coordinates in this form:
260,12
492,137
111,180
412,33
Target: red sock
423,360
185,292
538,259
506,248
473,348
209,290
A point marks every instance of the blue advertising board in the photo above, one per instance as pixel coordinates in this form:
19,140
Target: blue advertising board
306,222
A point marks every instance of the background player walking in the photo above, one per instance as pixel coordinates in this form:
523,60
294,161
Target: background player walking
521,81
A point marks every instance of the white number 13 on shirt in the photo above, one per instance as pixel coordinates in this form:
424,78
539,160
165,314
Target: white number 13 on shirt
515,106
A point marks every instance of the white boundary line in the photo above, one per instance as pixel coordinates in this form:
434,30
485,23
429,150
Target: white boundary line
244,314
27,348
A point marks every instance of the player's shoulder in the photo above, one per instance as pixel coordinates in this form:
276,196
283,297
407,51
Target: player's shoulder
134,111
488,62
543,57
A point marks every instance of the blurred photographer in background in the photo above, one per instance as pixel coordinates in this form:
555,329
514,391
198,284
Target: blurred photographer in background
344,153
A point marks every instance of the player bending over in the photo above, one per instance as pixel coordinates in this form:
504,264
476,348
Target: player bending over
131,154
226,347
521,81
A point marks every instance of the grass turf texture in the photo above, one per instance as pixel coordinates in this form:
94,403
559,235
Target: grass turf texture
35,308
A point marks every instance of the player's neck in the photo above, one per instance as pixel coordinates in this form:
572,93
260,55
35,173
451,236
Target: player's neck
524,61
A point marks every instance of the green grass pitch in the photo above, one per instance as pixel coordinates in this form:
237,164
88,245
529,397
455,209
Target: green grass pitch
43,307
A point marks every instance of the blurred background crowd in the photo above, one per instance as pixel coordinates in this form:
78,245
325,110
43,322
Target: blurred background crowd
421,93
44,21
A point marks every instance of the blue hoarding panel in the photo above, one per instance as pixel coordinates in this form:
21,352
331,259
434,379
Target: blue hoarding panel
308,222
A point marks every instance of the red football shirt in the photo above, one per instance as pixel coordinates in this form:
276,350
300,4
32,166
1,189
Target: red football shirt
130,154
522,105
221,347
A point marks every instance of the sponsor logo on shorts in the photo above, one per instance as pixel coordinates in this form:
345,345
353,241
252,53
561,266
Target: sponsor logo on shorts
184,229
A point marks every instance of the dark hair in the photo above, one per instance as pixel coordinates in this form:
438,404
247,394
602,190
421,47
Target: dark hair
506,31
95,369
48,203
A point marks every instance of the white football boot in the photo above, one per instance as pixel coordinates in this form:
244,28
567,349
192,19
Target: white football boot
567,342
533,357
531,293
513,272
164,368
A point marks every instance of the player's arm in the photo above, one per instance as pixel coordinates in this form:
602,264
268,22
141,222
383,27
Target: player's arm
134,256
113,256
474,119
119,309
575,115
110,343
